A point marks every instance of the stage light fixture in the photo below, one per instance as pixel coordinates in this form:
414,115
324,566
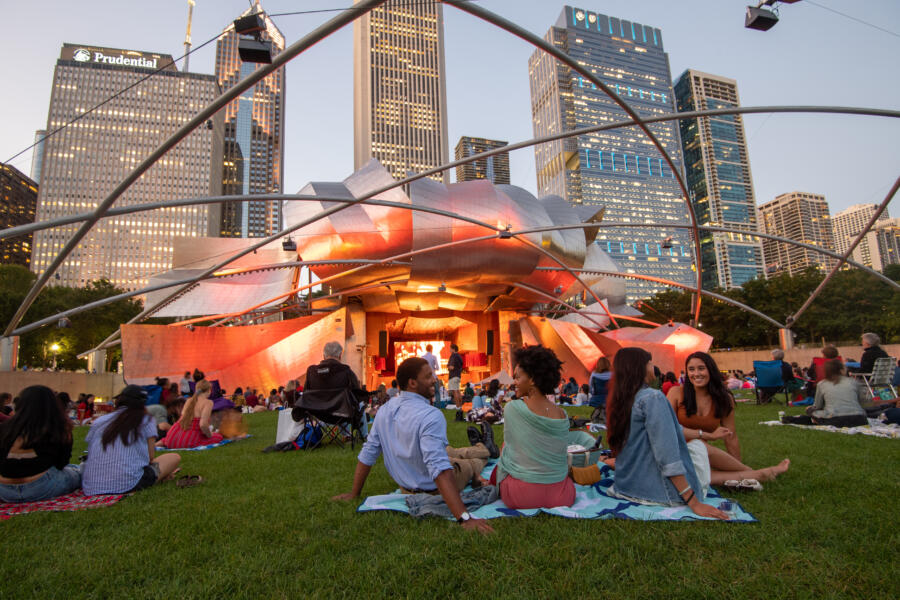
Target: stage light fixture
506,233
253,48
63,323
289,245
667,243
250,24
442,287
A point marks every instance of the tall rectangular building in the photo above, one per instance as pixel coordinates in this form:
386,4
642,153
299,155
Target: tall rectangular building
717,166
399,88
87,159
881,244
619,169
848,223
18,199
254,137
798,216
493,168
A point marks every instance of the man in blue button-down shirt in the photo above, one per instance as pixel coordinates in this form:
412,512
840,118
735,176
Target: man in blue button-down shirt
412,436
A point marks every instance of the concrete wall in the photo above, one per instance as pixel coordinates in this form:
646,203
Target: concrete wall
729,361
103,385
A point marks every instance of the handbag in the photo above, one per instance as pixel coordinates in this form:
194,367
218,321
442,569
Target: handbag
584,458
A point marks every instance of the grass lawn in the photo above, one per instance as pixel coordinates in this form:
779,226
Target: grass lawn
263,527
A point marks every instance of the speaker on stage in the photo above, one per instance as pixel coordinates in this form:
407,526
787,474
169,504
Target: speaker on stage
490,342
382,343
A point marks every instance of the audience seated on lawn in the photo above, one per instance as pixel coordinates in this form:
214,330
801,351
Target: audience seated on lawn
193,428
871,351
599,382
35,449
705,410
732,383
533,467
121,449
787,376
836,401
581,398
411,434
652,460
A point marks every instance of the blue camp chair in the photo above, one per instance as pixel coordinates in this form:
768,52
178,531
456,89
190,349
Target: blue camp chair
768,375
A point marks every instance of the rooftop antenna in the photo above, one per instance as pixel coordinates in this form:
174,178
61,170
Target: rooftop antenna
187,37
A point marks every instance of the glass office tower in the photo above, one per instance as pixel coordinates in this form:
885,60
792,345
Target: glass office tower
399,88
254,137
18,199
493,168
86,160
619,169
718,177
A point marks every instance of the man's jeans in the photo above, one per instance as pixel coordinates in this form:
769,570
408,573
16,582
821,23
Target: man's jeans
51,484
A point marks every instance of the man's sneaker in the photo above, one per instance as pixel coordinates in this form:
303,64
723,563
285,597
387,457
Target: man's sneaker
487,436
475,436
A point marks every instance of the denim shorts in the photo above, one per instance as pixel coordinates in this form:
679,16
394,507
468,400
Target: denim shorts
150,476
55,482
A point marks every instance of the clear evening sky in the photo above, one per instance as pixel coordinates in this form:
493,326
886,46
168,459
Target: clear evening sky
811,57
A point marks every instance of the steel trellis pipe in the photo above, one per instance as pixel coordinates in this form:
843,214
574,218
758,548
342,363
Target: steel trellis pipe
547,47
887,199
290,52
124,210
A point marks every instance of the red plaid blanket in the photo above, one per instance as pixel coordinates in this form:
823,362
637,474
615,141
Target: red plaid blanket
74,501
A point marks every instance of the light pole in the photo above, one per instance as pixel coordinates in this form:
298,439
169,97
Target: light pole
54,348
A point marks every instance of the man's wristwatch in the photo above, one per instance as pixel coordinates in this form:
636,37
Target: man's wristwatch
463,518
699,434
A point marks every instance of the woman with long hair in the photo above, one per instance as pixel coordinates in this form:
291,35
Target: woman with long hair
35,449
652,461
598,389
193,428
705,409
533,467
122,449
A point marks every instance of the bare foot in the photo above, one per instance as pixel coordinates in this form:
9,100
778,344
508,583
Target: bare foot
771,473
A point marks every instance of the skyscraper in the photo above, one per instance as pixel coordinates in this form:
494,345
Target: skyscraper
619,169
882,245
85,161
18,198
848,224
400,95
798,216
718,177
493,168
254,136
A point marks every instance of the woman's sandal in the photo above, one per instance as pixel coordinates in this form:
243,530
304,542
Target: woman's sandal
186,481
751,485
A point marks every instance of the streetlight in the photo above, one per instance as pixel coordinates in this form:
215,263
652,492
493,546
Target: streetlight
54,348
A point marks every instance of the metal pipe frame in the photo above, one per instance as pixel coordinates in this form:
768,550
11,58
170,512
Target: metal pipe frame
317,35
573,309
740,110
887,200
540,43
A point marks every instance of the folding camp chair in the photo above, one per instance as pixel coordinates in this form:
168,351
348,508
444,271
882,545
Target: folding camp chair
880,377
336,410
768,375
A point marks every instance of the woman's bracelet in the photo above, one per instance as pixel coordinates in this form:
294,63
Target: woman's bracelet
681,493
689,498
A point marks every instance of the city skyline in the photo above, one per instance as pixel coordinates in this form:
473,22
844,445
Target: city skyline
823,148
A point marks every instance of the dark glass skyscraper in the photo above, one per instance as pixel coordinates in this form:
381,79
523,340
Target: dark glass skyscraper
619,169
718,177
254,137
18,200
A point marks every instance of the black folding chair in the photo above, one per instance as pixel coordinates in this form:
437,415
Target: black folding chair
338,412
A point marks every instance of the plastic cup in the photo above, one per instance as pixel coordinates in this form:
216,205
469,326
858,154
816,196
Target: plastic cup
728,507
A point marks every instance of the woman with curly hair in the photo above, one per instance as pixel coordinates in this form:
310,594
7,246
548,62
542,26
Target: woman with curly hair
533,467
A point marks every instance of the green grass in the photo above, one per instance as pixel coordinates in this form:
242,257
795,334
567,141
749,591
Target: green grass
263,527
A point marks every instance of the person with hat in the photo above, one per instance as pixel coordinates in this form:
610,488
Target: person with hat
122,447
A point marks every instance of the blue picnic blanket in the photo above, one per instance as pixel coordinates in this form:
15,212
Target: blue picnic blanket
207,447
591,502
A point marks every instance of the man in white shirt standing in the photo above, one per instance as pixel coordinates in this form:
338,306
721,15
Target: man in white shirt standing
432,361
184,386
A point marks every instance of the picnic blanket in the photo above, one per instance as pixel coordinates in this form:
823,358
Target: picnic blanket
206,447
74,501
591,502
875,428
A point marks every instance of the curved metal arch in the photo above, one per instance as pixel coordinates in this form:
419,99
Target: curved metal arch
573,309
315,36
671,283
537,42
125,210
887,199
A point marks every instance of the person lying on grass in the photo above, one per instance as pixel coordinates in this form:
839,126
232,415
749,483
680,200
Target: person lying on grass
35,448
122,447
412,436
705,410
653,463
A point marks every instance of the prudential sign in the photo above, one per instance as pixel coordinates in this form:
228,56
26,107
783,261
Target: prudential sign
95,56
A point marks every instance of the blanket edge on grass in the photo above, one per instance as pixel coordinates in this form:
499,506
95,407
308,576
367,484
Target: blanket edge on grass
875,428
70,502
206,447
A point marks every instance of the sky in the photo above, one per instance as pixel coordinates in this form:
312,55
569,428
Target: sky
813,56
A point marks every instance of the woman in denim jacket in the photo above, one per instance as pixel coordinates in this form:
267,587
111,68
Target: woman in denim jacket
653,463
